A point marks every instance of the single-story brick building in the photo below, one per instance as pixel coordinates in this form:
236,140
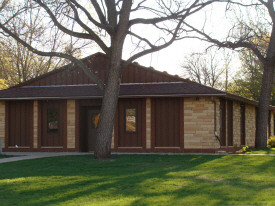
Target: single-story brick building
156,112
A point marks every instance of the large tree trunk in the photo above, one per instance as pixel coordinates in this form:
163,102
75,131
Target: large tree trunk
263,107
108,109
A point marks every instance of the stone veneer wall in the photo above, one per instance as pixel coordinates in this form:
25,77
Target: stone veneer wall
35,124
199,123
271,126
236,124
250,128
113,140
70,123
148,123
2,122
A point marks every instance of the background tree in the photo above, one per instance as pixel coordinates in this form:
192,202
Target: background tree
119,21
17,63
207,68
248,80
252,20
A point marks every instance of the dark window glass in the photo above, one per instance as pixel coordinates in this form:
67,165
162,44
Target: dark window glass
130,120
53,120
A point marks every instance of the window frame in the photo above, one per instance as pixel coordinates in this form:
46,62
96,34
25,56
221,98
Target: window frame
125,130
58,120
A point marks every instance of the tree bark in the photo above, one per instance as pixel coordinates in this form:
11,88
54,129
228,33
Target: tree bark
263,107
108,108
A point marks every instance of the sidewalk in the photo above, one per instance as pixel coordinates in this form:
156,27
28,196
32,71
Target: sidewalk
33,155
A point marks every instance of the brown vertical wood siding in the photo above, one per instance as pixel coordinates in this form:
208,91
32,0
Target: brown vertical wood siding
19,121
130,139
99,66
167,122
53,139
230,122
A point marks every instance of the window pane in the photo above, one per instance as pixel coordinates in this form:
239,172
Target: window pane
53,115
130,120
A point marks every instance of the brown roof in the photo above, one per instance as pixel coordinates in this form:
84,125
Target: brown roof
126,90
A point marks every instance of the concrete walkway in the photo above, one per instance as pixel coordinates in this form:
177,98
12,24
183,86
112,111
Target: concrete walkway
33,155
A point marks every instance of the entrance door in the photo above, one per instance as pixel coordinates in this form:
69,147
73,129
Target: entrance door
92,124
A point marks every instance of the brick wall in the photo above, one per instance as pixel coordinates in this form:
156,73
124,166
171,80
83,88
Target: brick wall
113,139
70,123
35,124
2,122
199,123
148,123
250,121
236,124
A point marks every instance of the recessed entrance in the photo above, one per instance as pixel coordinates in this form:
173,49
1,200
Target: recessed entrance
89,124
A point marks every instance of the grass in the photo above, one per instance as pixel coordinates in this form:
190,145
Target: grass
260,151
4,156
139,180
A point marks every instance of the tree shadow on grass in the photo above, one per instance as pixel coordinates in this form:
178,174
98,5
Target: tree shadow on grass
131,179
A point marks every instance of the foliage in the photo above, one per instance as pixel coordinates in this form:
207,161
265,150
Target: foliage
248,80
139,180
245,149
271,142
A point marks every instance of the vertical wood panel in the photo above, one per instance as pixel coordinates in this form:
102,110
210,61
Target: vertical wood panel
19,121
153,123
230,123
53,139
181,123
64,117
7,135
130,139
143,123
77,121
31,124
167,122
116,129
39,123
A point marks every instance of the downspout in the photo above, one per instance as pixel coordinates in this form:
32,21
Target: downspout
215,121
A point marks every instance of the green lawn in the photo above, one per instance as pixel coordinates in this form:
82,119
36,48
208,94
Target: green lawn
4,156
260,151
139,180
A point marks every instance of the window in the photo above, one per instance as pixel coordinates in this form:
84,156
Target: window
130,120
53,120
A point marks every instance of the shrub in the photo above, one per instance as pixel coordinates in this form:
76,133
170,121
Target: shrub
271,142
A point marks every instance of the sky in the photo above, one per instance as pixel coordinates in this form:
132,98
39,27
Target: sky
171,58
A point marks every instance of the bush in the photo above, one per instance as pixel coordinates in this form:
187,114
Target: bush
271,142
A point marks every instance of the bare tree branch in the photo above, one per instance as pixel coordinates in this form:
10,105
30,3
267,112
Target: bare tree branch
56,54
227,44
